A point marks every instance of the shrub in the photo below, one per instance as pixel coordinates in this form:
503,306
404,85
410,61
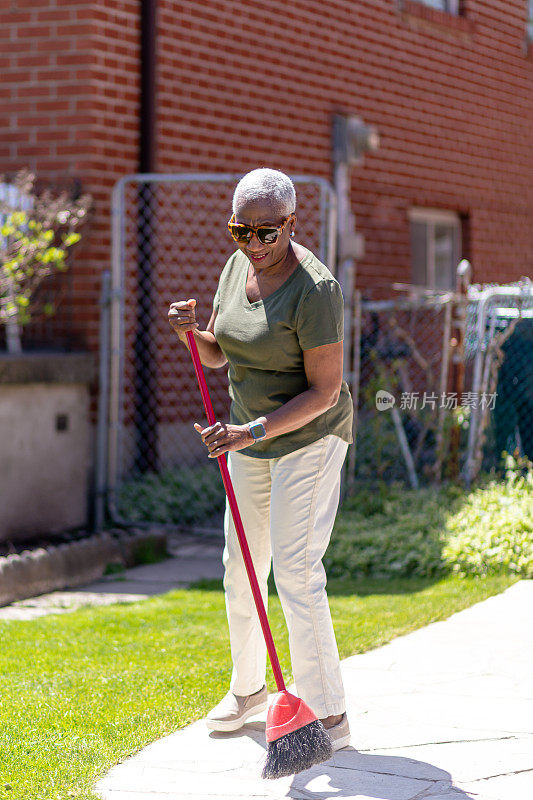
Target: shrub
178,496
493,532
36,233
390,531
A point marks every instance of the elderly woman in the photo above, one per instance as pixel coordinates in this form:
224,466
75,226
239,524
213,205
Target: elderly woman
277,322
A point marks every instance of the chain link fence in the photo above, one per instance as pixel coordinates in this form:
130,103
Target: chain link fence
170,242
442,383
499,343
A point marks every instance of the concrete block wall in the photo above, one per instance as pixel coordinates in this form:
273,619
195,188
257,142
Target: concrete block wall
46,447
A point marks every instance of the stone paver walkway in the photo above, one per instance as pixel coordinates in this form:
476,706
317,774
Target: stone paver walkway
443,713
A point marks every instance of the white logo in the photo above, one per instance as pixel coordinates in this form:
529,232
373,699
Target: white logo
384,400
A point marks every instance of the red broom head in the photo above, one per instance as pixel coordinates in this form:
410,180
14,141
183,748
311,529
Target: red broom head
296,739
287,713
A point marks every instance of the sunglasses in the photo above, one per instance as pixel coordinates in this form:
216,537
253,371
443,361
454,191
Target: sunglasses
266,234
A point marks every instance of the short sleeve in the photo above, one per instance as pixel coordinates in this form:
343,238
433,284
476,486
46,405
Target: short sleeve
225,275
321,315
216,299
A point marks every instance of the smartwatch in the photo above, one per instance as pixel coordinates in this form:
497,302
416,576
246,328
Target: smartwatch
257,429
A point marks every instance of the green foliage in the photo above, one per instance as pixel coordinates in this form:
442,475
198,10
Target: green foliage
377,443
383,531
36,235
148,551
180,496
113,568
493,532
516,467
390,531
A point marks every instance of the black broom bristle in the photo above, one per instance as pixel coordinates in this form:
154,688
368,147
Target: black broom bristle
297,750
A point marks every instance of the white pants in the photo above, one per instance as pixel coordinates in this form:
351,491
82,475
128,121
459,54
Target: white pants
288,508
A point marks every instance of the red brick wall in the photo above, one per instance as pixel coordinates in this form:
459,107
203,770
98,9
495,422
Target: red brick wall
451,96
69,93
242,85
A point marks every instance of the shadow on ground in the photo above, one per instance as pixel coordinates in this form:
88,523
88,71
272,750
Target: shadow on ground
352,773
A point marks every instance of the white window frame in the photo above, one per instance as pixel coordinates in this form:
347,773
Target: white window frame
432,217
448,6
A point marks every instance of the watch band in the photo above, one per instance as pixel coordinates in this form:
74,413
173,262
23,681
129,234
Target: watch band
257,429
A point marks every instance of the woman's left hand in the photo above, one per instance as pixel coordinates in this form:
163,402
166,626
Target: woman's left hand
221,437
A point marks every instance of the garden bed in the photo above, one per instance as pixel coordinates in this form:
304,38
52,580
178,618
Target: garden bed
44,569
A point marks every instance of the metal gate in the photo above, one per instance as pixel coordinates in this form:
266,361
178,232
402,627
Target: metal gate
170,242
500,344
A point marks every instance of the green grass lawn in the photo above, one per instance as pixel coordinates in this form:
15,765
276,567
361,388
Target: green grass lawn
83,690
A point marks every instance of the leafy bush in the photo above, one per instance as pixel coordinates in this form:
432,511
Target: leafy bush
390,531
179,496
493,532
385,531
36,234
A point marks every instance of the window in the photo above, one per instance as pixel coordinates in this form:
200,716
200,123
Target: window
435,247
450,6
530,20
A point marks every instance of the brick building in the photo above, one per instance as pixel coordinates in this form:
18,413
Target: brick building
240,85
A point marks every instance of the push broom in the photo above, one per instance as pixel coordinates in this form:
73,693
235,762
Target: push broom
296,738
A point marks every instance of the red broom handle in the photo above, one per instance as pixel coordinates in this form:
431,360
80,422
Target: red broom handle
232,500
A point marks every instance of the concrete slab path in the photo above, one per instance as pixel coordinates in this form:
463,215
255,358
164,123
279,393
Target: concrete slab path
443,713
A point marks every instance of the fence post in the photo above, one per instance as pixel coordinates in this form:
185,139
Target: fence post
443,387
464,272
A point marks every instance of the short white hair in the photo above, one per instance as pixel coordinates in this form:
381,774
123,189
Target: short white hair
269,185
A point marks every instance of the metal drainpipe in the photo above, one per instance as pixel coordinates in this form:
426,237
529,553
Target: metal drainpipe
351,137
346,267
346,276
145,414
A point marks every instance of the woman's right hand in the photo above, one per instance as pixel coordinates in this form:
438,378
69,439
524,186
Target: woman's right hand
182,317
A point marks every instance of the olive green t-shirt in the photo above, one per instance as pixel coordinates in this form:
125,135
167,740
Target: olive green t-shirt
264,343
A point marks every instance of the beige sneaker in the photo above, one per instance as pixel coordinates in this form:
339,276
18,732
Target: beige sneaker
340,734
233,710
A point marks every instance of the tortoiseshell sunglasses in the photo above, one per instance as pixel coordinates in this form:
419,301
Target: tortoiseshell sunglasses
266,235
